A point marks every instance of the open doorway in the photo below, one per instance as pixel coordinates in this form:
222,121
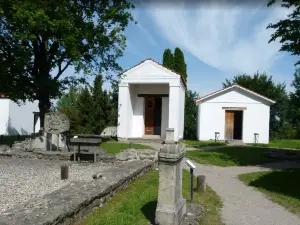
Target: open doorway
233,124
153,110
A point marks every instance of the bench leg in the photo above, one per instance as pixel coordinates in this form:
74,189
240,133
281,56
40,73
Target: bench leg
79,153
74,153
94,157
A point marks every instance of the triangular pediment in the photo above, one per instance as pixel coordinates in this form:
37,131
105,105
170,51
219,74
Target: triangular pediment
149,68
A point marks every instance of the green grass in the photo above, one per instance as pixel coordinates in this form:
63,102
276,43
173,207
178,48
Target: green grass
293,143
280,186
195,143
230,156
10,140
136,204
117,147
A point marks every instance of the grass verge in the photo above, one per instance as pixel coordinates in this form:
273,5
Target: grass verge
280,186
117,147
293,143
230,156
136,204
195,143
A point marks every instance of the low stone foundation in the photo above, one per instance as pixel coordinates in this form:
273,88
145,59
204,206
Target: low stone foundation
72,202
136,154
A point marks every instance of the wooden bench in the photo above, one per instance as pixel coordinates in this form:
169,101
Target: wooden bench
85,140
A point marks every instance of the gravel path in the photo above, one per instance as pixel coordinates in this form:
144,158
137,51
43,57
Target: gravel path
243,205
22,179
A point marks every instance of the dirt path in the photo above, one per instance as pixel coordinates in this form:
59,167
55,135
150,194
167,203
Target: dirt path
243,205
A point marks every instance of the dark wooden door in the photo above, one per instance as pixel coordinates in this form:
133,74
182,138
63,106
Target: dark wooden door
149,115
229,125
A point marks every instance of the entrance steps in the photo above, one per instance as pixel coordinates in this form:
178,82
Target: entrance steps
235,142
146,139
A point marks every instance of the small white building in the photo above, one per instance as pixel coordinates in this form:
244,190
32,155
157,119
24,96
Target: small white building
234,113
17,119
151,99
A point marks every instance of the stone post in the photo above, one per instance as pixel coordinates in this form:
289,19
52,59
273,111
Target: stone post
171,206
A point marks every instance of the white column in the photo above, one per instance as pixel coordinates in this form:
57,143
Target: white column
123,103
174,111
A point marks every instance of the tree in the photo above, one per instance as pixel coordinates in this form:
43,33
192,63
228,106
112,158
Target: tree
179,63
264,85
67,104
85,123
288,30
114,96
40,39
295,102
190,118
101,111
168,60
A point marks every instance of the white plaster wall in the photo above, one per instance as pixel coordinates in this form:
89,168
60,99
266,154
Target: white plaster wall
164,116
4,114
211,117
148,78
181,110
174,110
123,105
21,118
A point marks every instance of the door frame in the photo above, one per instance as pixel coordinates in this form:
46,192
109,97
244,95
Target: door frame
234,109
225,127
145,110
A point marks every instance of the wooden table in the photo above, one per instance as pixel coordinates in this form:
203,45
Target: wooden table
85,141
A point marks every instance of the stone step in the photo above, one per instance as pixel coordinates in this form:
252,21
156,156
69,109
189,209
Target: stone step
235,142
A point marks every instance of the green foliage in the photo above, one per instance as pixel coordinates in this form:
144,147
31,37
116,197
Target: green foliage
90,109
67,104
190,118
264,85
168,60
85,112
40,39
99,107
295,103
287,30
179,63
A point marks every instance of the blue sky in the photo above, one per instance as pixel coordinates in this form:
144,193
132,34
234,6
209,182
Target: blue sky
219,41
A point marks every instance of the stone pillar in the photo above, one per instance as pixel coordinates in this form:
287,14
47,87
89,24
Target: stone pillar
171,206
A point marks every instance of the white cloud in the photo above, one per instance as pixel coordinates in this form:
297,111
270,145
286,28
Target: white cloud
231,38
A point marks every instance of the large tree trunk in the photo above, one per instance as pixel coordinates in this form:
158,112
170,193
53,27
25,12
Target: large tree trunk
44,107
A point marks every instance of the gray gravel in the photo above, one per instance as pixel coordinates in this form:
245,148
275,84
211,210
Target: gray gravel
22,179
244,205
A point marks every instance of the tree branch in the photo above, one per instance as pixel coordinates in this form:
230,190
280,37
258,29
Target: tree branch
60,71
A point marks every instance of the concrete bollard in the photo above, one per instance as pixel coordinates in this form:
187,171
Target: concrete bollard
201,185
64,172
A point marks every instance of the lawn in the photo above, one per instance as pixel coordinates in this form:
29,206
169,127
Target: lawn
117,147
195,143
280,186
294,143
137,203
230,156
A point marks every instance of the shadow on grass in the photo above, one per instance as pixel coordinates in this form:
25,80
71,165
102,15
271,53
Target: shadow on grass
149,211
285,182
231,156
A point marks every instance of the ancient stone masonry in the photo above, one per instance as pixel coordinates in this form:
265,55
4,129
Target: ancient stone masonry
171,206
56,123
73,201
